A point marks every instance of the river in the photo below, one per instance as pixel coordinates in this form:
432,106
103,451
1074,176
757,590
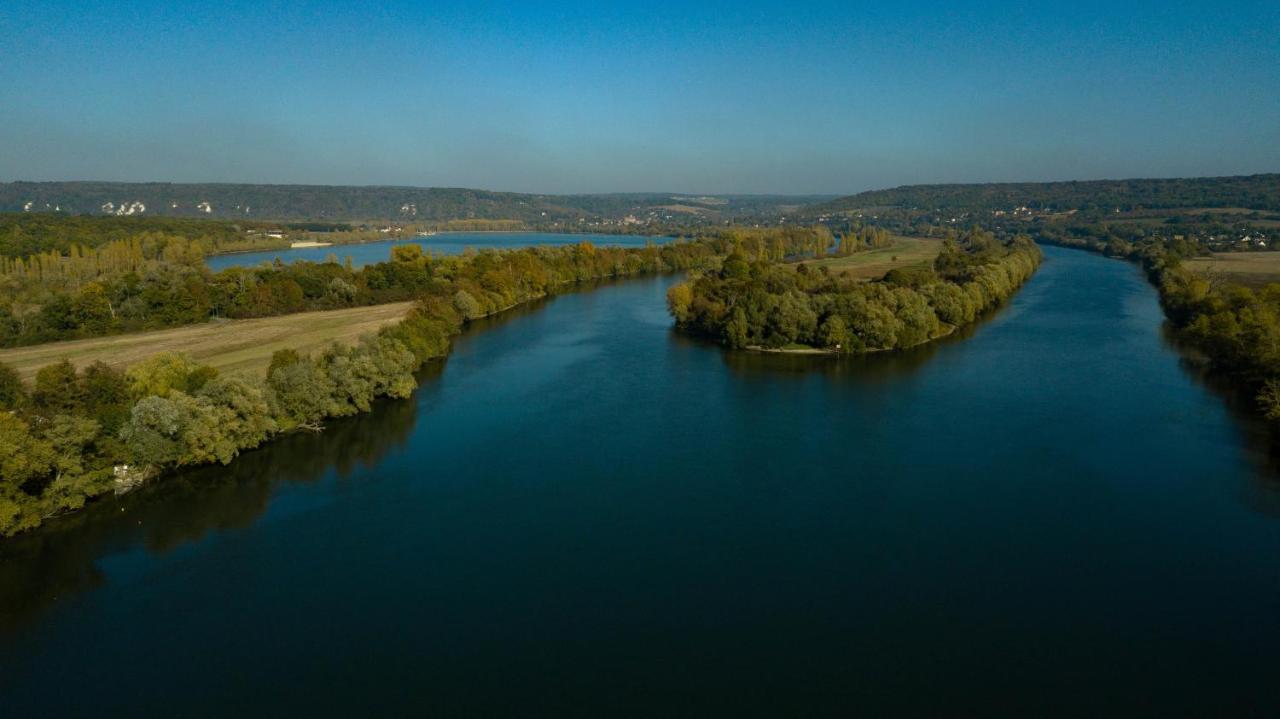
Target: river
583,513
443,243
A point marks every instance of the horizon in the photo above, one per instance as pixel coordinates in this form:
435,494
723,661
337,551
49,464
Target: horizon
689,193
724,99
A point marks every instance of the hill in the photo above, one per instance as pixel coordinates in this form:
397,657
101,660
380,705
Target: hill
341,203
1258,192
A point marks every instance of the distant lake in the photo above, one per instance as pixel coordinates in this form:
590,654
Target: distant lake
582,513
444,243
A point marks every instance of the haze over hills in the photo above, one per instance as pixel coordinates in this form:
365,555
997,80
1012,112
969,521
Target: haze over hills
1259,192
427,204
335,202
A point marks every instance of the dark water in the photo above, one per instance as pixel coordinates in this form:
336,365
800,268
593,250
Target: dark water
584,514
444,243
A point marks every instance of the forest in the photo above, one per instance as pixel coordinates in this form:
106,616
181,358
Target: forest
80,432
754,302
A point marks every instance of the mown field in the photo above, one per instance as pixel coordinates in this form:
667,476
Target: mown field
872,264
229,345
1253,269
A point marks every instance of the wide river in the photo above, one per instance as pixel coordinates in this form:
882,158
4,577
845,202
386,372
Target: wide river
582,513
444,243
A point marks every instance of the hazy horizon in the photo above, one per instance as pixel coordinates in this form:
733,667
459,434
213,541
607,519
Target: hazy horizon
690,193
751,98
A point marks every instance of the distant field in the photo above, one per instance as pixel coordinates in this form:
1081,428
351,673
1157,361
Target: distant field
1254,269
229,345
872,264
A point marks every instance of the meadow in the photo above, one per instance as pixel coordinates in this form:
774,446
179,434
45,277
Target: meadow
1252,269
873,264
228,345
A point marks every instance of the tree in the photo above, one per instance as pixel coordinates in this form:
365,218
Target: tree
12,393
92,309
241,413
167,372
408,254
153,434
106,395
467,305
23,457
737,331
835,334
301,394
283,358
679,298
341,291
736,267
70,439
57,389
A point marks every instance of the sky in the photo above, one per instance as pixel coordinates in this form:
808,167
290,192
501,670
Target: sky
707,97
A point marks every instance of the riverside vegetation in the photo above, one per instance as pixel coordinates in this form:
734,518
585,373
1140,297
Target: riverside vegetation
82,432
762,304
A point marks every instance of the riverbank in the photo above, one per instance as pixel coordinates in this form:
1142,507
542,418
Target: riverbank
824,519
1234,326
946,331
378,249
169,412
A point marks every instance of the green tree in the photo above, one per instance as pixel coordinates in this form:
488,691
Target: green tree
167,372
154,432
467,305
57,389
301,393
283,358
12,393
106,395
241,414
835,334
23,457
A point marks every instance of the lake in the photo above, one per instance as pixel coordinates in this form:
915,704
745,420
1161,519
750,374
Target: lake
443,243
582,513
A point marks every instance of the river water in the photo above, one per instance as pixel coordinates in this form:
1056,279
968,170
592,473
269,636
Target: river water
582,513
444,243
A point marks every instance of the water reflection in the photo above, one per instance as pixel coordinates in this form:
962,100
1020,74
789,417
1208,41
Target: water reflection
60,558
1260,438
38,568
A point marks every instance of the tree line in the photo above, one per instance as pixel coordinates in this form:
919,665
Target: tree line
1253,191
764,304
156,280
77,433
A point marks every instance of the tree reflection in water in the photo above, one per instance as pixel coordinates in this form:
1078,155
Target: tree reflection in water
59,559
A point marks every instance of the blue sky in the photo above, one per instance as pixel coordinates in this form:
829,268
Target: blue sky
582,97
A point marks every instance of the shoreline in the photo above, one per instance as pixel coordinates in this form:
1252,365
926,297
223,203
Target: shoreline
425,234
818,351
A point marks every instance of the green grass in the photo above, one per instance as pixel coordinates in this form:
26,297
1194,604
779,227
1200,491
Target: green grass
873,264
229,345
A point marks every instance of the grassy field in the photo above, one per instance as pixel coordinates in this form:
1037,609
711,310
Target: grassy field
1253,269
229,345
872,264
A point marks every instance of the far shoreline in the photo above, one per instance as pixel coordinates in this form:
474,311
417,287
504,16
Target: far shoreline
432,233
